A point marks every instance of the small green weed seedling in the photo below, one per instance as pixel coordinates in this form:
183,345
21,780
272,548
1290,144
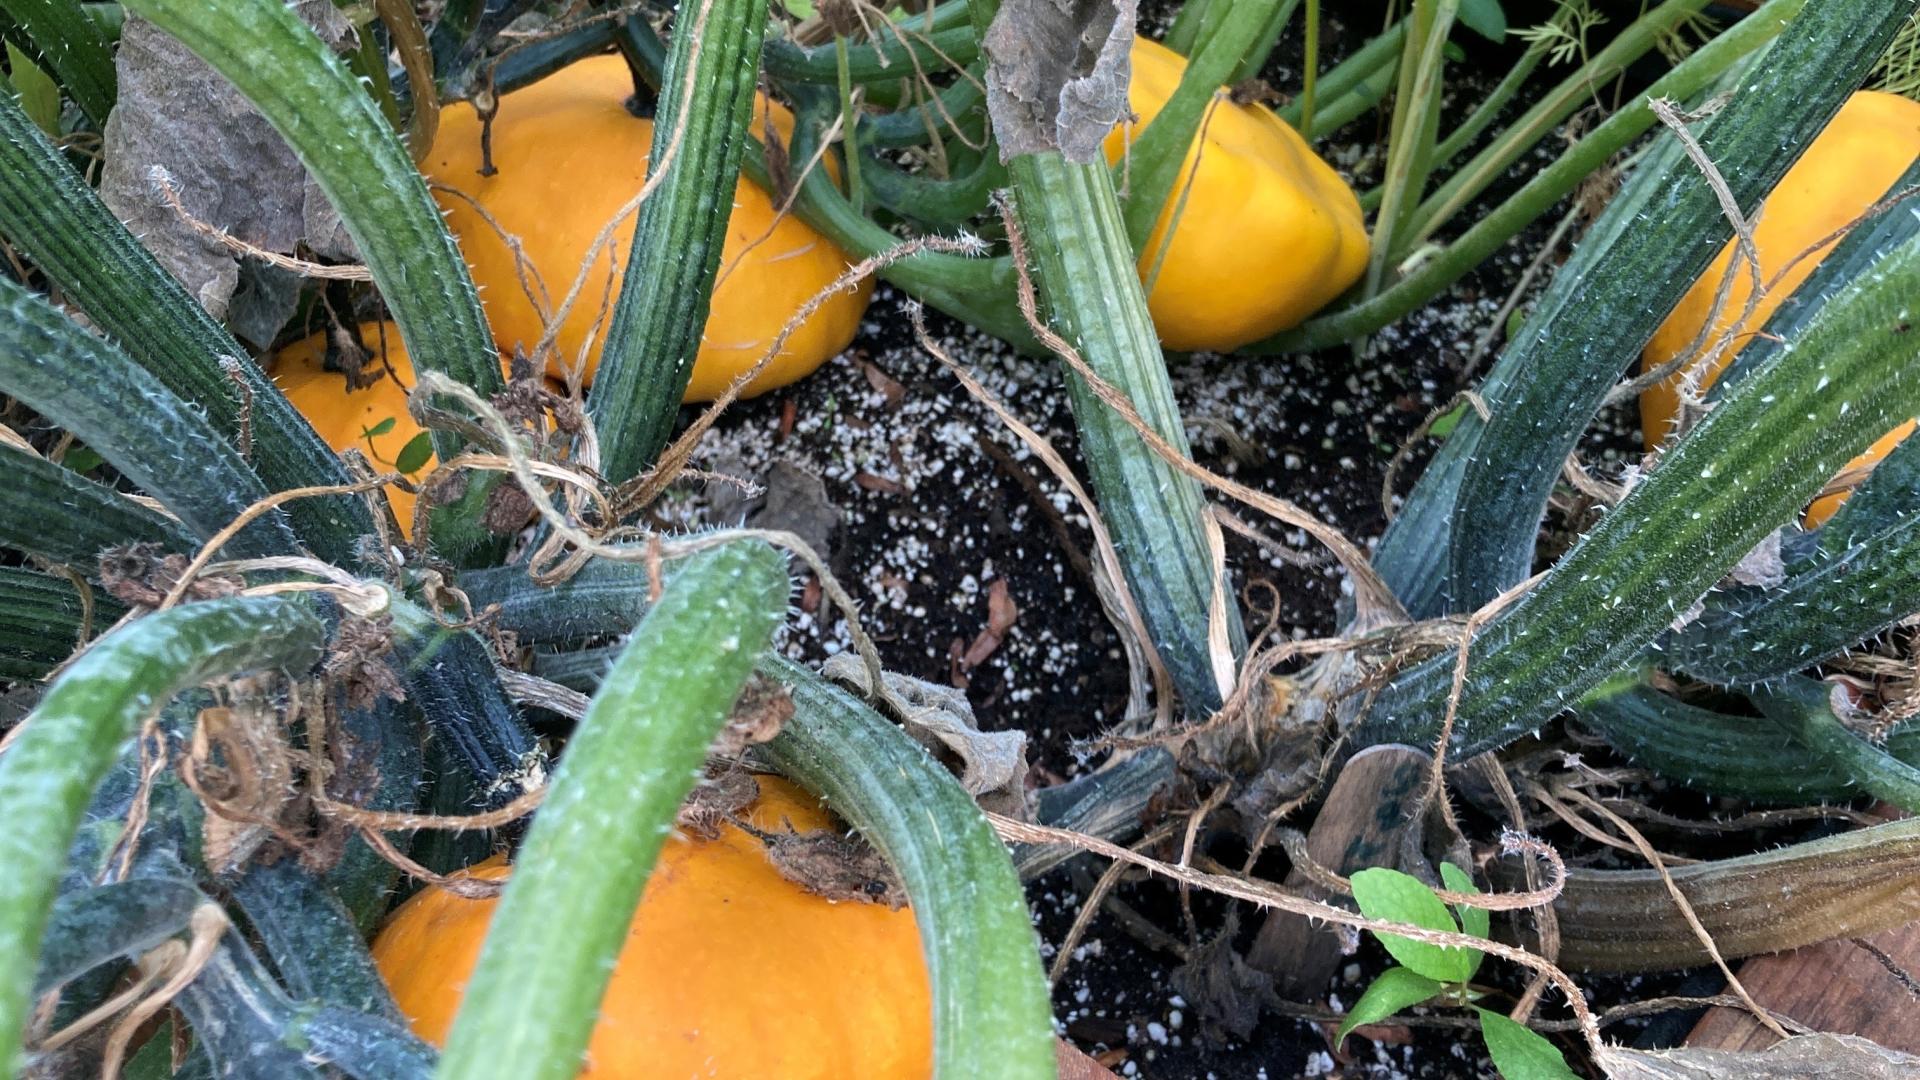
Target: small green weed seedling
1441,973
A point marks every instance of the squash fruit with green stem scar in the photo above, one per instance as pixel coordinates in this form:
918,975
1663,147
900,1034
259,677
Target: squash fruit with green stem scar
1264,233
1870,142
568,155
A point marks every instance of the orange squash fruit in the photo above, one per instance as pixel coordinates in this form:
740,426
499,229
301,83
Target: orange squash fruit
569,155
1868,144
372,419
1267,235
730,970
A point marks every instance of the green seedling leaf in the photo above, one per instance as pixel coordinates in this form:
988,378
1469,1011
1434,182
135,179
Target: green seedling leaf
1519,1053
414,456
1397,988
1483,17
1444,426
1390,894
378,429
82,460
1473,920
39,94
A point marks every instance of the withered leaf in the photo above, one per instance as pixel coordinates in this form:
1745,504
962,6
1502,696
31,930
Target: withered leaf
1057,74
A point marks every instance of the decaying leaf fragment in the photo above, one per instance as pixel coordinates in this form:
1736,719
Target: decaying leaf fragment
227,164
1057,74
993,764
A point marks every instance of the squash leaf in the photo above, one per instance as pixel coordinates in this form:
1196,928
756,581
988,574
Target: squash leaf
1484,17
1390,894
1519,1053
1397,988
414,456
1475,921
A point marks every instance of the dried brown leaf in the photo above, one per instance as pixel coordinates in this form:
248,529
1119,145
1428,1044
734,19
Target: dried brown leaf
1057,74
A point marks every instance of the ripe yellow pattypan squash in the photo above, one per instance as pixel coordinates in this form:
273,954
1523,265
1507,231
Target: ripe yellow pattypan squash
730,970
1873,139
568,156
1268,235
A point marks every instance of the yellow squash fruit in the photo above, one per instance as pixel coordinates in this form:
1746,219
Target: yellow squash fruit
1870,142
1268,233
730,970
350,418
568,157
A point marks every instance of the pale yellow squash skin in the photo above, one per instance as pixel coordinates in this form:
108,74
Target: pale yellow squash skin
1873,139
569,155
730,972
1268,233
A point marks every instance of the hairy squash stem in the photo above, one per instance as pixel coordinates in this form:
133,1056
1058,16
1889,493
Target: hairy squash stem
1539,121
975,290
65,517
1654,241
1803,709
1547,188
885,60
1091,295
134,422
992,1016
1088,290
533,1000
1863,577
313,101
1853,884
1410,140
990,1005
48,211
1713,752
666,288
68,743
73,45
1746,469
43,617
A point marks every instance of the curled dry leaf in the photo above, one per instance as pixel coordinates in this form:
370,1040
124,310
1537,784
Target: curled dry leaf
357,661
1226,991
716,801
1057,75
993,764
142,574
1002,613
834,866
228,165
764,707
